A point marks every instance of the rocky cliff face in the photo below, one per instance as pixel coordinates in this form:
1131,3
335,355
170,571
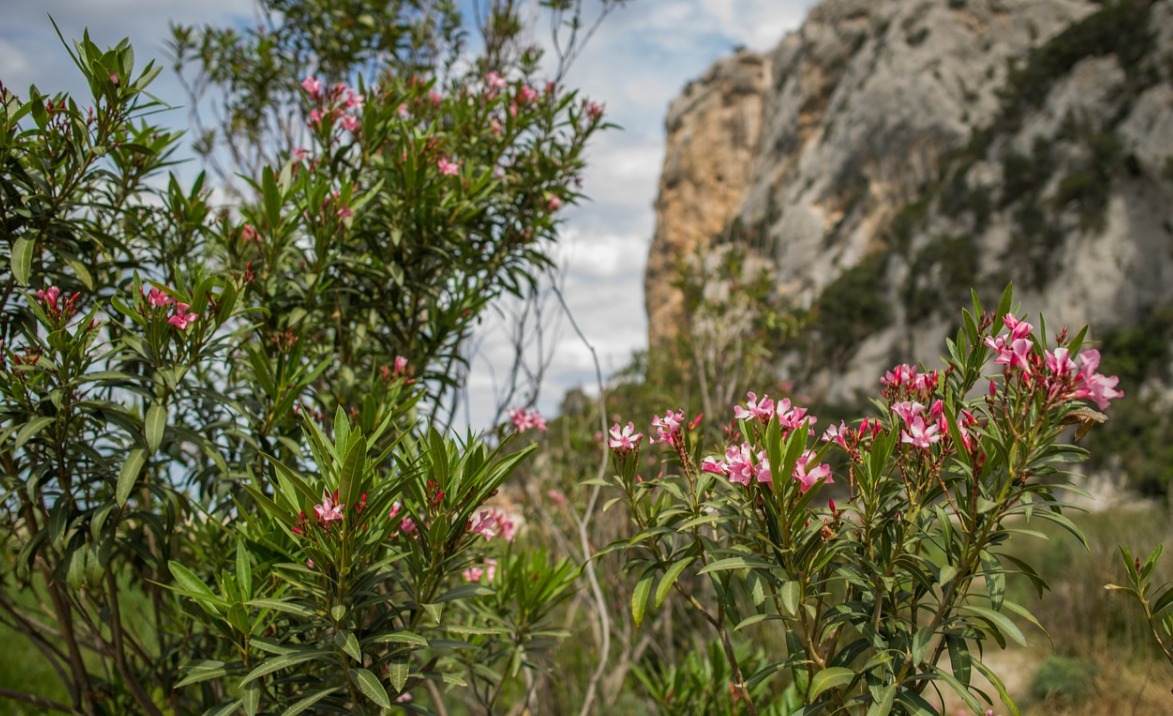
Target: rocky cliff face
891,154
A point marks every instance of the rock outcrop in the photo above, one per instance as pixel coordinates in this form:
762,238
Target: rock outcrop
889,155
713,129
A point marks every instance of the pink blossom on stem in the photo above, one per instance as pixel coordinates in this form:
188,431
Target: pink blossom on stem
898,376
1091,384
668,427
354,100
182,319
316,117
625,440
527,419
313,86
350,123
329,510
494,82
1018,329
837,434
1059,363
739,461
762,409
408,526
714,466
403,111
400,365
807,478
919,434
907,410
553,203
594,111
473,574
158,299
790,417
526,94
448,167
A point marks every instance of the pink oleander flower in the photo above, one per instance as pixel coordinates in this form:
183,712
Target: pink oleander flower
494,81
408,526
300,154
329,510
350,123
436,98
526,94
837,434
1059,363
404,698
625,440
668,427
182,319
807,478
558,497
49,297
248,233
489,523
762,409
790,417
495,126
313,86
714,466
400,365
158,299
403,111
742,466
902,374
473,574
490,570
1018,329
907,410
354,100
553,203
1014,350
448,167
1100,388
527,419
594,111
396,508
920,435
739,462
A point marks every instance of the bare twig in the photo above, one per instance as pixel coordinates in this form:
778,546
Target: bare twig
584,523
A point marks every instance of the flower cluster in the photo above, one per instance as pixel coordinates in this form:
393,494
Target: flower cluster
476,572
668,428
904,382
338,104
763,409
1061,377
492,522
180,317
50,298
526,419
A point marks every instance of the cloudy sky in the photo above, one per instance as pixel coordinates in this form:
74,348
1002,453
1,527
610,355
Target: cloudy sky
638,61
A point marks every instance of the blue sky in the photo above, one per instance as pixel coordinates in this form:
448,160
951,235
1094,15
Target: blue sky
638,61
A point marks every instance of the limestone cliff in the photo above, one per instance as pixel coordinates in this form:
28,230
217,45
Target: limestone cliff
713,130
891,154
